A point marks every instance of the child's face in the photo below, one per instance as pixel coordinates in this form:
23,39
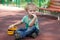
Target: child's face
31,10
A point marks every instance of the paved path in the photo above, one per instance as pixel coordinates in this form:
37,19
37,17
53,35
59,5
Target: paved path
49,28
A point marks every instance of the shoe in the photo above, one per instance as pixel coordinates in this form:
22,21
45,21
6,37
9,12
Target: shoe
34,35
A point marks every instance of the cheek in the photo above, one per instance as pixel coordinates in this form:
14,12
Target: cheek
30,12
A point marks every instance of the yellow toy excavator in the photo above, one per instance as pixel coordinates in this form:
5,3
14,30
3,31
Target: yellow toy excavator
12,30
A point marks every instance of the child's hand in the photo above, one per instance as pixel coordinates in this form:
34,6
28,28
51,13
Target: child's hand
34,15
10,26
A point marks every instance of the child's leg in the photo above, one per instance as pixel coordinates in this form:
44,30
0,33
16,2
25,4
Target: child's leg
21,29
37,31
20,32
31,30
28,31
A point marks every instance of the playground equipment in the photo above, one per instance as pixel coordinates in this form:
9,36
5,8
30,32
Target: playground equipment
54,6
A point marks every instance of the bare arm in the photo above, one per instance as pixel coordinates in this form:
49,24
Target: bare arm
15,24
33,20
18,23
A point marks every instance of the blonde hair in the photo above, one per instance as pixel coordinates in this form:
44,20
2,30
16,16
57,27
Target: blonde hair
30,5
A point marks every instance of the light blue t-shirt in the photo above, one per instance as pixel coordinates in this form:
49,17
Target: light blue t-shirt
27,21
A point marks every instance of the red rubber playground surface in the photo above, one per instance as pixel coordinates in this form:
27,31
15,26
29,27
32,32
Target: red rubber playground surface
49,27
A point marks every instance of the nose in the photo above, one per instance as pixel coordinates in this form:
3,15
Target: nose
32,12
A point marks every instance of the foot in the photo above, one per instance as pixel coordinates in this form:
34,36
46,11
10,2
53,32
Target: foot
34,35
17,36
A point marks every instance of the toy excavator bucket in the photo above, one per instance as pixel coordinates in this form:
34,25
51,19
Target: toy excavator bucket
12,30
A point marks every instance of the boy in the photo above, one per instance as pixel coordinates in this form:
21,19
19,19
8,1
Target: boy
30,21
